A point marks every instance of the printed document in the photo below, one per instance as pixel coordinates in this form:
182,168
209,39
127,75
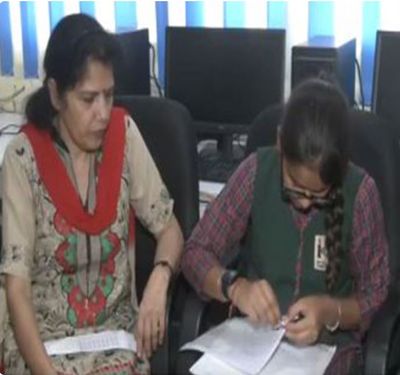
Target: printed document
240,344
237,347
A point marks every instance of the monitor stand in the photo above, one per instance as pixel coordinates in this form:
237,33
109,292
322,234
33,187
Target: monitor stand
218,160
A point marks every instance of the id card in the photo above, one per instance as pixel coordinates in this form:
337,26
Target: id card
320,253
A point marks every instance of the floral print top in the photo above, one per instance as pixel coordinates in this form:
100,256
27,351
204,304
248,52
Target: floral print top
80,283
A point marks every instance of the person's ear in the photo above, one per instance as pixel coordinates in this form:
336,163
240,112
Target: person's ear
54,95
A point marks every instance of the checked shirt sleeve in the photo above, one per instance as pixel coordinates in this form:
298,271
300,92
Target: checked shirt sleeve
369,252
222,226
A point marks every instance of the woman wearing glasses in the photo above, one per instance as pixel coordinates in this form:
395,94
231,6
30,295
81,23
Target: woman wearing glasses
314,254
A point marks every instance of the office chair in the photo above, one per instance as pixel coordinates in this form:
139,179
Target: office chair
373,147
166,128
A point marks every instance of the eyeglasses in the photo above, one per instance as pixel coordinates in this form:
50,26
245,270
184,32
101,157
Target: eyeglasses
289,194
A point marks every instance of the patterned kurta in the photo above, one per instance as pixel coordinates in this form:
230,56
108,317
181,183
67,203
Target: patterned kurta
80,283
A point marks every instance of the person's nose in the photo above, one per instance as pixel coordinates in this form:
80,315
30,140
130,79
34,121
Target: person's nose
304,203
103,107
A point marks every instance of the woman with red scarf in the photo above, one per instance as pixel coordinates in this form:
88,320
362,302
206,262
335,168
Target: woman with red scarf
74,180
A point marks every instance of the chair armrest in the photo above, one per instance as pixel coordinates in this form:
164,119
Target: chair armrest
198,316
192,317
383,341
160,360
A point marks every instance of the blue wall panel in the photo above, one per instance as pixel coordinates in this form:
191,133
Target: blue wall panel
371,20
6,50
87,7
194,13
56,12
162,23
125,16
29,39
234,14
320,18
277,14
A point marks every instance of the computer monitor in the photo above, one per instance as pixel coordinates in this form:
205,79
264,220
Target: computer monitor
132,71
386,83
224,76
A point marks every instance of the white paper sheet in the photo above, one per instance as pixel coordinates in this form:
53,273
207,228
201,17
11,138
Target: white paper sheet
236,347
287,360
209,365
93,342
240,344
294,360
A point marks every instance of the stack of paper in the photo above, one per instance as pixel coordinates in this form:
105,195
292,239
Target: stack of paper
238,347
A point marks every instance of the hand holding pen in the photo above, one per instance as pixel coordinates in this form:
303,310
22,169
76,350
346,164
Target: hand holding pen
305,320
285,320
256,299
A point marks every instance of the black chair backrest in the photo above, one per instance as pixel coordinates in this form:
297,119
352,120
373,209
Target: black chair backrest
373,146
263,129
166,128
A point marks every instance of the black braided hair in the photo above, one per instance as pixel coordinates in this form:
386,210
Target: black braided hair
333,227
314,131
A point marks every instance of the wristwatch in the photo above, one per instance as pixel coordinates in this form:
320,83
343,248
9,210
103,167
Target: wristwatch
227,279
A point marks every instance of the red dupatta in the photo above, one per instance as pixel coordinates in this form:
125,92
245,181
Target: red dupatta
61,190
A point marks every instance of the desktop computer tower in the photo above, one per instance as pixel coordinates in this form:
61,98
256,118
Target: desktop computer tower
386,83
322,57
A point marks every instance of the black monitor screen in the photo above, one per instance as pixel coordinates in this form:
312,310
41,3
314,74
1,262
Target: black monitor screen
132,71
386,84
223,74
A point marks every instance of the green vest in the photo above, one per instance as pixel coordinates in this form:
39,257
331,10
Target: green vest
272,243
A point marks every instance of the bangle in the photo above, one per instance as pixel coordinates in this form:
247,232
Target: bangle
165,263
335,326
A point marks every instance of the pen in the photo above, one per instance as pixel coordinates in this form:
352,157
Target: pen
282,323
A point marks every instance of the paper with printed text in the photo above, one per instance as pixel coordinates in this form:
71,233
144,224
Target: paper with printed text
237,347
